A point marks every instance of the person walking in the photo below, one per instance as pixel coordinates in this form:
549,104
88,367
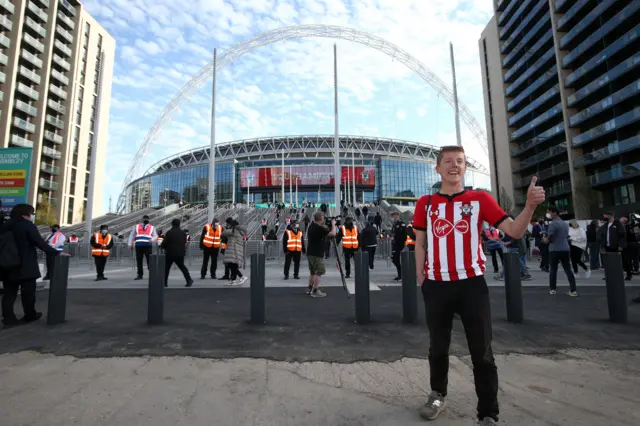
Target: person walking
349,236
452,280
630,252
368,240
316,240
56,241
578,242
210,240
23,243
399,240
142,238
365,212
559,251
264,225
234,254
593,244
270,244
174,246
223,249
378,221
494,244
101,244
293,247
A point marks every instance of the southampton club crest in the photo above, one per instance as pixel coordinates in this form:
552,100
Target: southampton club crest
466,210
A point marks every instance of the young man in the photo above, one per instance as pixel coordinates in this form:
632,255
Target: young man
316,238
559,251
101,244
452,280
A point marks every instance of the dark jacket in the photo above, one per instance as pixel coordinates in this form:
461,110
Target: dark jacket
368,236
174,243
27,239
617,235
285,239
592,233
399,235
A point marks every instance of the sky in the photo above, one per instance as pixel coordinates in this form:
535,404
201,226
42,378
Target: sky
285,88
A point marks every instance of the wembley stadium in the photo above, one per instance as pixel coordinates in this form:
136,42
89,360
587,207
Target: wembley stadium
252,171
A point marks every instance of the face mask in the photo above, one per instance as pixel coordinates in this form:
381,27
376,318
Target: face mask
32,218
296,227
53,229
216,223
104,232
548,215
146,222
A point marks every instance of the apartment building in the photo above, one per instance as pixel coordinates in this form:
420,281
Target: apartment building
562,102
56,67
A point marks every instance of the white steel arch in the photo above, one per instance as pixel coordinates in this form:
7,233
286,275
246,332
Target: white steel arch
294,32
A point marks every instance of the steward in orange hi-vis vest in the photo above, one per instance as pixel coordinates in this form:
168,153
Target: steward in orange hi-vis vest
210,242
101,244
293,246
349,236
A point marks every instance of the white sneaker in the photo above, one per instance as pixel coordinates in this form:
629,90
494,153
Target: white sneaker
231,282
587,274
242,280
552,292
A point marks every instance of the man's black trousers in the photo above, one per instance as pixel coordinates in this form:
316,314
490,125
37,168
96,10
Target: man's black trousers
289,256
179,261
395,258
206,254
348,255
101,262
470,299
372,254
141,252
27,294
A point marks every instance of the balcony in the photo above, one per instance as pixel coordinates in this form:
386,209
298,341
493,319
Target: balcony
537,140
530,52
544,78
55,122
554,91
43,3
31,75
609,102
52,170
26,108
7,5
510,43
613,149
62,47
617,172
47,184
24,125
4,60
3,77
58,91
64,64
31,58
559,188
36,27
540,119
20,141
64,33
69,7
531,70
37,11
52,153
4,41
53,137
26,90
33,42
556,170
60,77
542,156
513,19
56,106
560,5
608,127
68,21
6,23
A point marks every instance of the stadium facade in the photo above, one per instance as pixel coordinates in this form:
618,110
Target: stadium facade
252,170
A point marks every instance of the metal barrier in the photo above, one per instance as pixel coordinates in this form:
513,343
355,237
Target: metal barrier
57,308
409,287
155,298
363,295
513,287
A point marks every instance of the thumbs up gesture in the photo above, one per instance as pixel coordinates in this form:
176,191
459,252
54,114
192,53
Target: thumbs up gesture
535,194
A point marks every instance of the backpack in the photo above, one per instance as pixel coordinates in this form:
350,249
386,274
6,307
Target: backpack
9,255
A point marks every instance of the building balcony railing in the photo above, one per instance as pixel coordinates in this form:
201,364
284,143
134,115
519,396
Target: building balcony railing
559,188
64,64
532,51
53,137
1,98
4,59
531,70
62,47
68,21
540,119
3,77
20,141
56,106
573,11
526,39
24,125
64,33
559,169
26,108
542,156
618,172
544,78
31,75
613,149
36,27
52,153
4,41
6,23
58,91
31,40
608,127
7,5
60,77
37,11
26,90
537,140
68,6
560,4
31,58
47,184
513,19
511,41
55,122
43,3
554,91
52,170
609,102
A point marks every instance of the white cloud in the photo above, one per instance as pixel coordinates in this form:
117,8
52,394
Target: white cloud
149,47
401,115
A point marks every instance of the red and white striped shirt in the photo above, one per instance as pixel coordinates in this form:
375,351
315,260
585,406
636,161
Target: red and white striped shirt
453,227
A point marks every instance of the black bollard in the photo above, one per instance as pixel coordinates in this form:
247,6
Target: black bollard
409,287
257,289
155,304
513,287
363,309
616,292
57,310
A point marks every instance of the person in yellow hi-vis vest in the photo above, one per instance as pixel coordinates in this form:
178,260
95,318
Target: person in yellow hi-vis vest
349,236
293,246
101,244
210,240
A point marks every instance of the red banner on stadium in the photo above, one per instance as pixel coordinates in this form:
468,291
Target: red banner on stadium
265,177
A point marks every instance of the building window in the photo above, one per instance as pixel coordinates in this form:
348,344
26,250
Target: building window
76,142
89,148
70,210
624,195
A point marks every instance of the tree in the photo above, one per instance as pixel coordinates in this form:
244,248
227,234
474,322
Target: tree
45,214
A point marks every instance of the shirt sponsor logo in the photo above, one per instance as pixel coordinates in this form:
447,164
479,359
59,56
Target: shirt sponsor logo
442,227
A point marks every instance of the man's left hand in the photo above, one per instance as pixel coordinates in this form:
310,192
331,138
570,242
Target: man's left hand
535,194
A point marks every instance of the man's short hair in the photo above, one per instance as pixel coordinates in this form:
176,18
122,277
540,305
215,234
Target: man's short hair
55,226
395,213
318,216
175,222
21,210
103,227
554,209
449,148
145,217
